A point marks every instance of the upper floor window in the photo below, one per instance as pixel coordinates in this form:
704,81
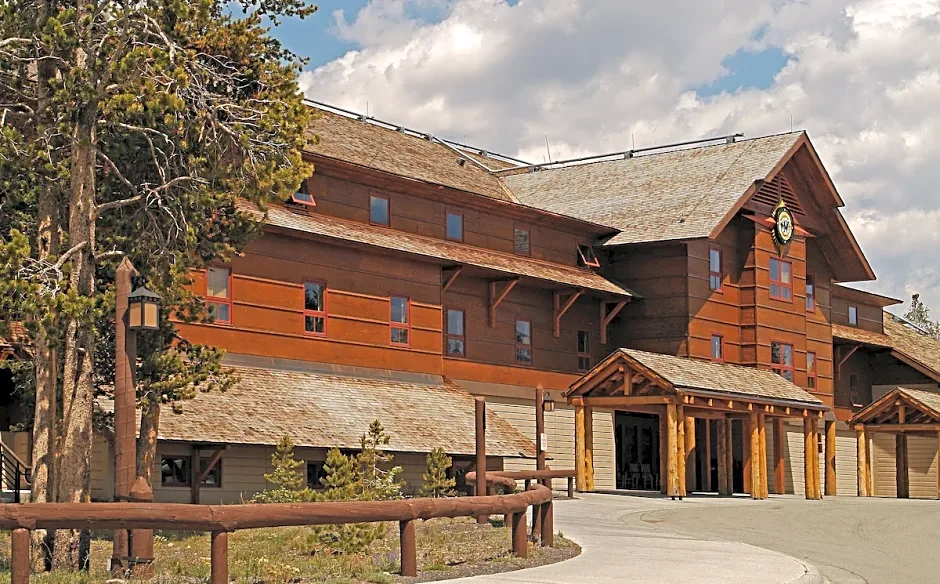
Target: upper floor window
810,293
303,196
781,280
715,273
315,308
219,293
584,351
718,348
587,257
399,320
853,315
811,370
454,226
456,338
378,210
521,241
781,358
524,342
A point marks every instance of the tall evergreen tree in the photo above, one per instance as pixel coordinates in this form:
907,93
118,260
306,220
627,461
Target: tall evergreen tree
919,314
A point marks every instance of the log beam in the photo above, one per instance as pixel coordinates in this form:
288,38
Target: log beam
497,296
830,458
560,309
608,316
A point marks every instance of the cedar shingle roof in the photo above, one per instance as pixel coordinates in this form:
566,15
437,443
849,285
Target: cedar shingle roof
900,337
366,144
324,410
457,253
925,405
851,333
690,374
930,399
683,194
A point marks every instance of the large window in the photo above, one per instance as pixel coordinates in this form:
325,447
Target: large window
219,294
781,280
524,342
400,321
584,351
810,293
715,271
853,315
378,210
176,471
521,241
718,348
315,308
811,370
456,337
455,226
781,358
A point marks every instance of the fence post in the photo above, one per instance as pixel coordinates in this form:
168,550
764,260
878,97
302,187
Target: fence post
219,559
571,487
409,551
19,561
520,539
548,524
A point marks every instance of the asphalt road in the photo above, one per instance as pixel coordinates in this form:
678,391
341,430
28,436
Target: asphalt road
849,539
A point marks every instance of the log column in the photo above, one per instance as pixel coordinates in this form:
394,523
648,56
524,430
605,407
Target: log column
680,452
863,462
584,447
663,447
729,450
762,440
810,459
756,491
830,458
747,429
691,468
589,447
901,460
707,467
672,465
722,459
780,479
480,431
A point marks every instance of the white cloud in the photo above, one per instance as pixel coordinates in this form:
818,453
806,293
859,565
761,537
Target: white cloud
864,80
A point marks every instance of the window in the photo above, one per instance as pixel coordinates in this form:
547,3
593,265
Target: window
715,274
853,315
315,308
455,226
524,342
520,240
718,348
584,351
853,391
781,280
810,293
781,358
400,326
315,472
811,370
214,476
587,257
456,339
219,294
176,471
378,210
303,196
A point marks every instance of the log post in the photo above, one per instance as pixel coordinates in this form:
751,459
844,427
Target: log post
831,488
747,441
707,467
663,447
219,558
756,490
691,468
672,465
19,557
579,443
762,441
780,477
729,449
125,425
680,452
408,549
141,540
547,536
809,450
520,539
901,459
722,444
480,413
571,487
589,448
862,452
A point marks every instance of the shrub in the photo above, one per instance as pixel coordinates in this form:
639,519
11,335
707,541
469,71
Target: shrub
436,481
287,480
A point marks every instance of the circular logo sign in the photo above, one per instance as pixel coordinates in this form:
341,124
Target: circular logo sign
784,228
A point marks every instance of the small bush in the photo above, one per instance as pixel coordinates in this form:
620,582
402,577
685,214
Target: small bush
436,481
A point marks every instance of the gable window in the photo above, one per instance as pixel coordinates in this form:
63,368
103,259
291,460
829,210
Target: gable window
587,257
315,472
853,315
810,293
219,294
520,241
781,280
715,273
718,348
315,308
454,226
176,471
524,342
781,359
811,370
378,210
584,351
303,196
456,339
399,320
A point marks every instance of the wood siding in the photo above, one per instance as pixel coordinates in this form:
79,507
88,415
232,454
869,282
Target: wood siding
922,466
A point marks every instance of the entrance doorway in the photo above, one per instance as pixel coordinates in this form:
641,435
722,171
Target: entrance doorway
637,442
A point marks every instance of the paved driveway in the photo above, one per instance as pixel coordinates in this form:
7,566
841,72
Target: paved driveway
850,540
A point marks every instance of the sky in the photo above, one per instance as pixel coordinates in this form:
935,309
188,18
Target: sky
862,77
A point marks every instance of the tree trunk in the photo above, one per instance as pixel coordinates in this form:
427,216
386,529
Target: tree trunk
147,442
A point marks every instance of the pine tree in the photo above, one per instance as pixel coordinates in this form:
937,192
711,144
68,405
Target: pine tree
379,483
436,481
287,480
919,315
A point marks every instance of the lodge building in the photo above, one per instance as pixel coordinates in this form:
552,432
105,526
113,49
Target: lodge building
686,348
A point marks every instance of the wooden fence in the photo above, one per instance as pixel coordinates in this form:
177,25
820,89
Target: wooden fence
220,520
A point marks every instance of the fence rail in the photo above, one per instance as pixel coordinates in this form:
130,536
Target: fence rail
508,478
220,520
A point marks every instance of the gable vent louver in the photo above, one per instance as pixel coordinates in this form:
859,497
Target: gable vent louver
777,189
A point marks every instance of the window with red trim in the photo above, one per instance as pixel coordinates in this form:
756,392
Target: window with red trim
521,241
781,280
315,308
584,351
454,226
781,359
810,293
456,340
219,294
715,270
400,321
811,370
303,196
718,348
524,342
379,213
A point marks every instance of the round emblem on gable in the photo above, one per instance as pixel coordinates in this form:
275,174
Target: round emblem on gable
784,228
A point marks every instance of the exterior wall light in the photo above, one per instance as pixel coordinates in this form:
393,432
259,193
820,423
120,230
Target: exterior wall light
548,404
143,310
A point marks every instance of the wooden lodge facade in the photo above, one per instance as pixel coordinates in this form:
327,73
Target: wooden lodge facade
686,348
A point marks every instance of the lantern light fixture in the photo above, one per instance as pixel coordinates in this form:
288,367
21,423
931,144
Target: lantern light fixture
143,312
548,404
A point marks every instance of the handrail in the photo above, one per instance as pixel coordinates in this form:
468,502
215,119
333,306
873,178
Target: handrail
223,519
13,455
